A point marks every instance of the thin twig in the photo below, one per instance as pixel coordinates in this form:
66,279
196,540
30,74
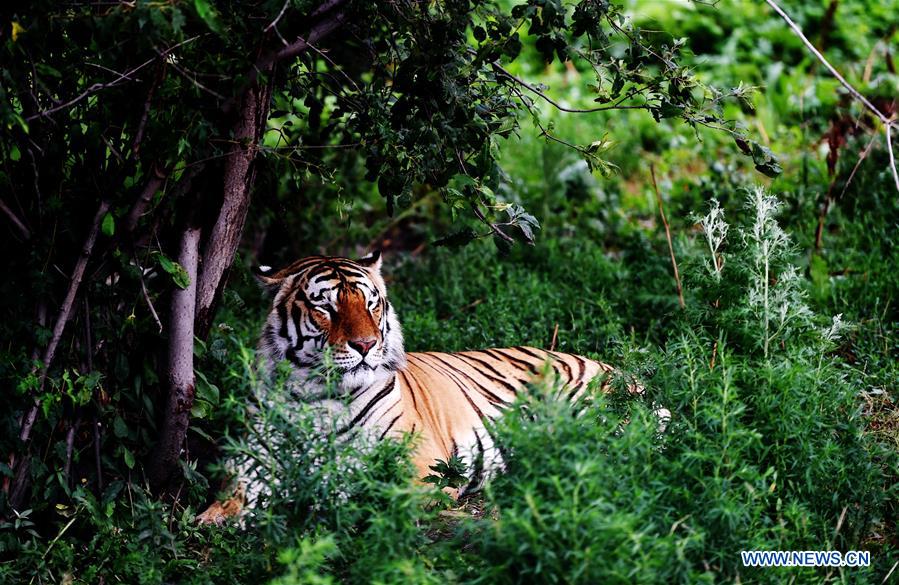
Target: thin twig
887,122
20,225
274,23
885,579
829,198
892,157
113,71
552,344
493,227
96,87
89,358
145,115
505,73
333,64
193,79
655,186
97,461
861,157
70,450
143,288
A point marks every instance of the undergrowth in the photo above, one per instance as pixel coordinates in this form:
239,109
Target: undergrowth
771,445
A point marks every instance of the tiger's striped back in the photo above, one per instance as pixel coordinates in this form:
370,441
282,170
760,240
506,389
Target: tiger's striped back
446,398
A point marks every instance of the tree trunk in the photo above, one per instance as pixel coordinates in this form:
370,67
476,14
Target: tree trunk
224,237
194,307
180,364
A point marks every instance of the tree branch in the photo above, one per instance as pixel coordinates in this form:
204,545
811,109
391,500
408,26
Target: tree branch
29,418
493,227
157,178
64,311
20,225
96,87
887,122
321,30
505,73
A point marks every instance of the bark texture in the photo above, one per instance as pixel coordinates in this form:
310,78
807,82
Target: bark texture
180,364
224,237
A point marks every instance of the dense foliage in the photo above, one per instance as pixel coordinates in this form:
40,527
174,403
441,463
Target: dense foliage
408,125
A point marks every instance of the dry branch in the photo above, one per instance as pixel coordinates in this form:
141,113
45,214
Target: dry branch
157,178
20,225
680,290
887,122
65,310
97,87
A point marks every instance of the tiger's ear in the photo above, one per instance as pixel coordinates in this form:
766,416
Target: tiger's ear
373,260
267,277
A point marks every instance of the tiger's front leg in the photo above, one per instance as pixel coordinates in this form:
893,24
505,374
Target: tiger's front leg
219,512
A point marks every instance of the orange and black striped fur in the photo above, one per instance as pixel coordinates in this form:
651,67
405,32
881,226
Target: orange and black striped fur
443,397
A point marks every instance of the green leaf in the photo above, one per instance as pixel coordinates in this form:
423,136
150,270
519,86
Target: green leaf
108,225
129,457
205,390
119,427
176,271
765,161
200,409
209,15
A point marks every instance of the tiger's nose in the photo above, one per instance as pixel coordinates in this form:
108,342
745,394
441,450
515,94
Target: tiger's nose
362,345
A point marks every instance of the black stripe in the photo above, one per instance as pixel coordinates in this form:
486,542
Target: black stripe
491,397
380,396
575,390
506,357
386,410
282,314
561,359
462,390
527,351
543,358
581,367
291,355
390,426
411,391
511,387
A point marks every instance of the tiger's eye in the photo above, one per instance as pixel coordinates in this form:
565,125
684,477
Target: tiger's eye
320,318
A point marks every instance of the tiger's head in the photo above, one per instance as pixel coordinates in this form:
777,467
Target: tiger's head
336,303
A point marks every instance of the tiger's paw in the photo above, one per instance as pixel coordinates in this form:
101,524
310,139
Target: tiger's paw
219,512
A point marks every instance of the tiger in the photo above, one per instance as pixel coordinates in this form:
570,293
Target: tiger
445,399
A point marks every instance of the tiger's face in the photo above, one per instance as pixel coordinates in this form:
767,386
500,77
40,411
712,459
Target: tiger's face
337,304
